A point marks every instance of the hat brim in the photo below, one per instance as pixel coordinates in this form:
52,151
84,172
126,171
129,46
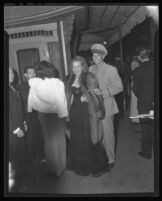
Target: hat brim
98,51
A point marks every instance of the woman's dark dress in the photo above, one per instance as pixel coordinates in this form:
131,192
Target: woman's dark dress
83,157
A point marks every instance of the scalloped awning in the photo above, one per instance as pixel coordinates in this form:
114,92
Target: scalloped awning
137,17
107,21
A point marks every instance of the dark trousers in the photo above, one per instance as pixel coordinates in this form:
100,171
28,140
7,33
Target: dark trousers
147,138
18,158
67,147
67,141
119,98
35,141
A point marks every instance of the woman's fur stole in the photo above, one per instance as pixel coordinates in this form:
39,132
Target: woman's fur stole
96,109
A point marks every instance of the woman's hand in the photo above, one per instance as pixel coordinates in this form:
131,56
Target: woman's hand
83,99
67,119
20,133
97,91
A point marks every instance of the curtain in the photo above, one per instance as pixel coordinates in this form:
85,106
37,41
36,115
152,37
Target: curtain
54,57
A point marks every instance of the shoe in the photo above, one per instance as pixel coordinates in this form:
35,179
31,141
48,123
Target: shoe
108,169
98,174
41,158
111,165
52,175
142,155
81,173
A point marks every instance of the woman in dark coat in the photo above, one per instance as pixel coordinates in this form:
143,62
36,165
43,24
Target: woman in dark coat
17,141
86,154
143,88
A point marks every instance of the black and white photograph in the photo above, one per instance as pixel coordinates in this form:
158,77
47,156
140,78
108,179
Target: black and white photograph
81,100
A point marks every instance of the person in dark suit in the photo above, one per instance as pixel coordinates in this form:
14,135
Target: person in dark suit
17,141
34,134
143,89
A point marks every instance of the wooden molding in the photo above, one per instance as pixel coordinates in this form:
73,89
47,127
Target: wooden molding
38,17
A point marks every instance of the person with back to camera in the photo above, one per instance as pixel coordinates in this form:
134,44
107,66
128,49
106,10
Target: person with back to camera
34,134
110,84
47,96
143,88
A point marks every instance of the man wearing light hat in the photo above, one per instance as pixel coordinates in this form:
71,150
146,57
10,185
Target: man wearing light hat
110,84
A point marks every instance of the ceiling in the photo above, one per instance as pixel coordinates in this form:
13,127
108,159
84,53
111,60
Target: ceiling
17,16
101,21
16,12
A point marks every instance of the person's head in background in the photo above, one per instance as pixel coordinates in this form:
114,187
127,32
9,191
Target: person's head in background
135,58
29,72
99,53
143,53
89,61
116,60
135,62
44,69
128,59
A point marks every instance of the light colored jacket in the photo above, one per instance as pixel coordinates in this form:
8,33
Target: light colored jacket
110,84
47,96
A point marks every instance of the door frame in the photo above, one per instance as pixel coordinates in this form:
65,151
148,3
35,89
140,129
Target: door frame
41,46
